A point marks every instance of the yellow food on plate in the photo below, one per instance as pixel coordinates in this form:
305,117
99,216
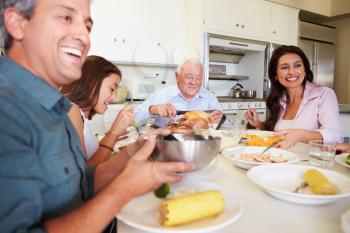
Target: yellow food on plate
191,207
255,140
318,183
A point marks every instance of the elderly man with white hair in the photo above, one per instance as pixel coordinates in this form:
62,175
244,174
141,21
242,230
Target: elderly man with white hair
186,95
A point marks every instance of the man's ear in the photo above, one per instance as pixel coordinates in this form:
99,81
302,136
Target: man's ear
14,22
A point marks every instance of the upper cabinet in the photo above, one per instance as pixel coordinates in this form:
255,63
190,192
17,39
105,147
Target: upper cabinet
250,19
138,31
284,25
238,17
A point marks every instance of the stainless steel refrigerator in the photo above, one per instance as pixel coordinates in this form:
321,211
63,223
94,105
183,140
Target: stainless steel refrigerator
317,41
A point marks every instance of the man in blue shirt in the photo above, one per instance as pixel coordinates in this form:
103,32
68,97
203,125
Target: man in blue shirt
186,95
45,184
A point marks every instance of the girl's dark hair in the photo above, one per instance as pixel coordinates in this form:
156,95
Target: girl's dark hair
85,91
277,90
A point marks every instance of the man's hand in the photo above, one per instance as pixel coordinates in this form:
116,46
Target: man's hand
132,148
163,110
143,175
216,116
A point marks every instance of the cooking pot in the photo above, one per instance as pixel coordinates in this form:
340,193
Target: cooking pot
250,94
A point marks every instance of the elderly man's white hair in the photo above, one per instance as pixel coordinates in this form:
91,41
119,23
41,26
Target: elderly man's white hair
188,60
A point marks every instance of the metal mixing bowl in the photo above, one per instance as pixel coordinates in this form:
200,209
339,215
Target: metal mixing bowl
197,149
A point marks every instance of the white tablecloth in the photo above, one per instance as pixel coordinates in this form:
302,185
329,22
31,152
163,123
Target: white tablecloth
263,213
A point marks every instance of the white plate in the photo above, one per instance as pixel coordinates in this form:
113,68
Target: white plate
141,213
341,159
260,133
233,154
281,180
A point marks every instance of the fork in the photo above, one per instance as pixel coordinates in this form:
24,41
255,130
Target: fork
137,128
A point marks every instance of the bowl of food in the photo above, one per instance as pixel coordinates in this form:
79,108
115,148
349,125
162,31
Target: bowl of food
200,150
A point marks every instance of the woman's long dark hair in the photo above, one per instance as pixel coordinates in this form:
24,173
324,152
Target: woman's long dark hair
277,90
85,91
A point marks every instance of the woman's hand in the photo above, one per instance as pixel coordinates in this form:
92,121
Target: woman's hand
253,118
292,136
124,119
343,147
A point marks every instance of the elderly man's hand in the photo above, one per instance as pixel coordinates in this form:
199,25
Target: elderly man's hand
216,116
163,110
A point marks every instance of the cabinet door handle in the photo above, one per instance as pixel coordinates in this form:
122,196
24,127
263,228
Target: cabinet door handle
242,26
237,25
274,32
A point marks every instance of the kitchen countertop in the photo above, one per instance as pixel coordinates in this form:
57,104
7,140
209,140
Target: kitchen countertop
263,213
231,99
344,108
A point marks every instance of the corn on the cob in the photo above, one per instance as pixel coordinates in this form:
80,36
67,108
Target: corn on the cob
191,207
318,183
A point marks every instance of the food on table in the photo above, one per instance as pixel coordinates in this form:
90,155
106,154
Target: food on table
265,158
191,120
318,183
162,191
256,140
347,160
191,207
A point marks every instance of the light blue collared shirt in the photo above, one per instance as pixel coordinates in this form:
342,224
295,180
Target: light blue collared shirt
204,100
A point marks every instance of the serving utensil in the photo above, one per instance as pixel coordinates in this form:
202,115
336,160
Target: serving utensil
182,112
302,185
268,148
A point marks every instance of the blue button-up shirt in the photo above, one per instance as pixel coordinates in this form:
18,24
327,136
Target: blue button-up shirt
42,167
203,100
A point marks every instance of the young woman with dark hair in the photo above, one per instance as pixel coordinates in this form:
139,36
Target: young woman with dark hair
298,109
91,94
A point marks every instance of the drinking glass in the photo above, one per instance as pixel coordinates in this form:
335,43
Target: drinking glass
321,154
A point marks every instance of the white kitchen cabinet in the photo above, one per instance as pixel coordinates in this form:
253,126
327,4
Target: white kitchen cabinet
238,18
284,25
137,30
249,19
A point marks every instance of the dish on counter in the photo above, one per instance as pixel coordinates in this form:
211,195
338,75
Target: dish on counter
141,213
247,156
340,159
280,181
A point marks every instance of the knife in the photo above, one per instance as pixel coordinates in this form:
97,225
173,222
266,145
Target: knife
182,112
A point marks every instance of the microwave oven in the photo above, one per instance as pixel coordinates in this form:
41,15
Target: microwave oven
141,88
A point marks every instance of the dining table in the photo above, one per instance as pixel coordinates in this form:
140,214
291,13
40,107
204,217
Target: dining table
263,213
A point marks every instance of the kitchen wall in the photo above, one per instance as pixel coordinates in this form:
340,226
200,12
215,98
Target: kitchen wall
342,64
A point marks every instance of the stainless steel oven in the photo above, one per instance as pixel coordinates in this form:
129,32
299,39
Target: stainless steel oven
234,110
